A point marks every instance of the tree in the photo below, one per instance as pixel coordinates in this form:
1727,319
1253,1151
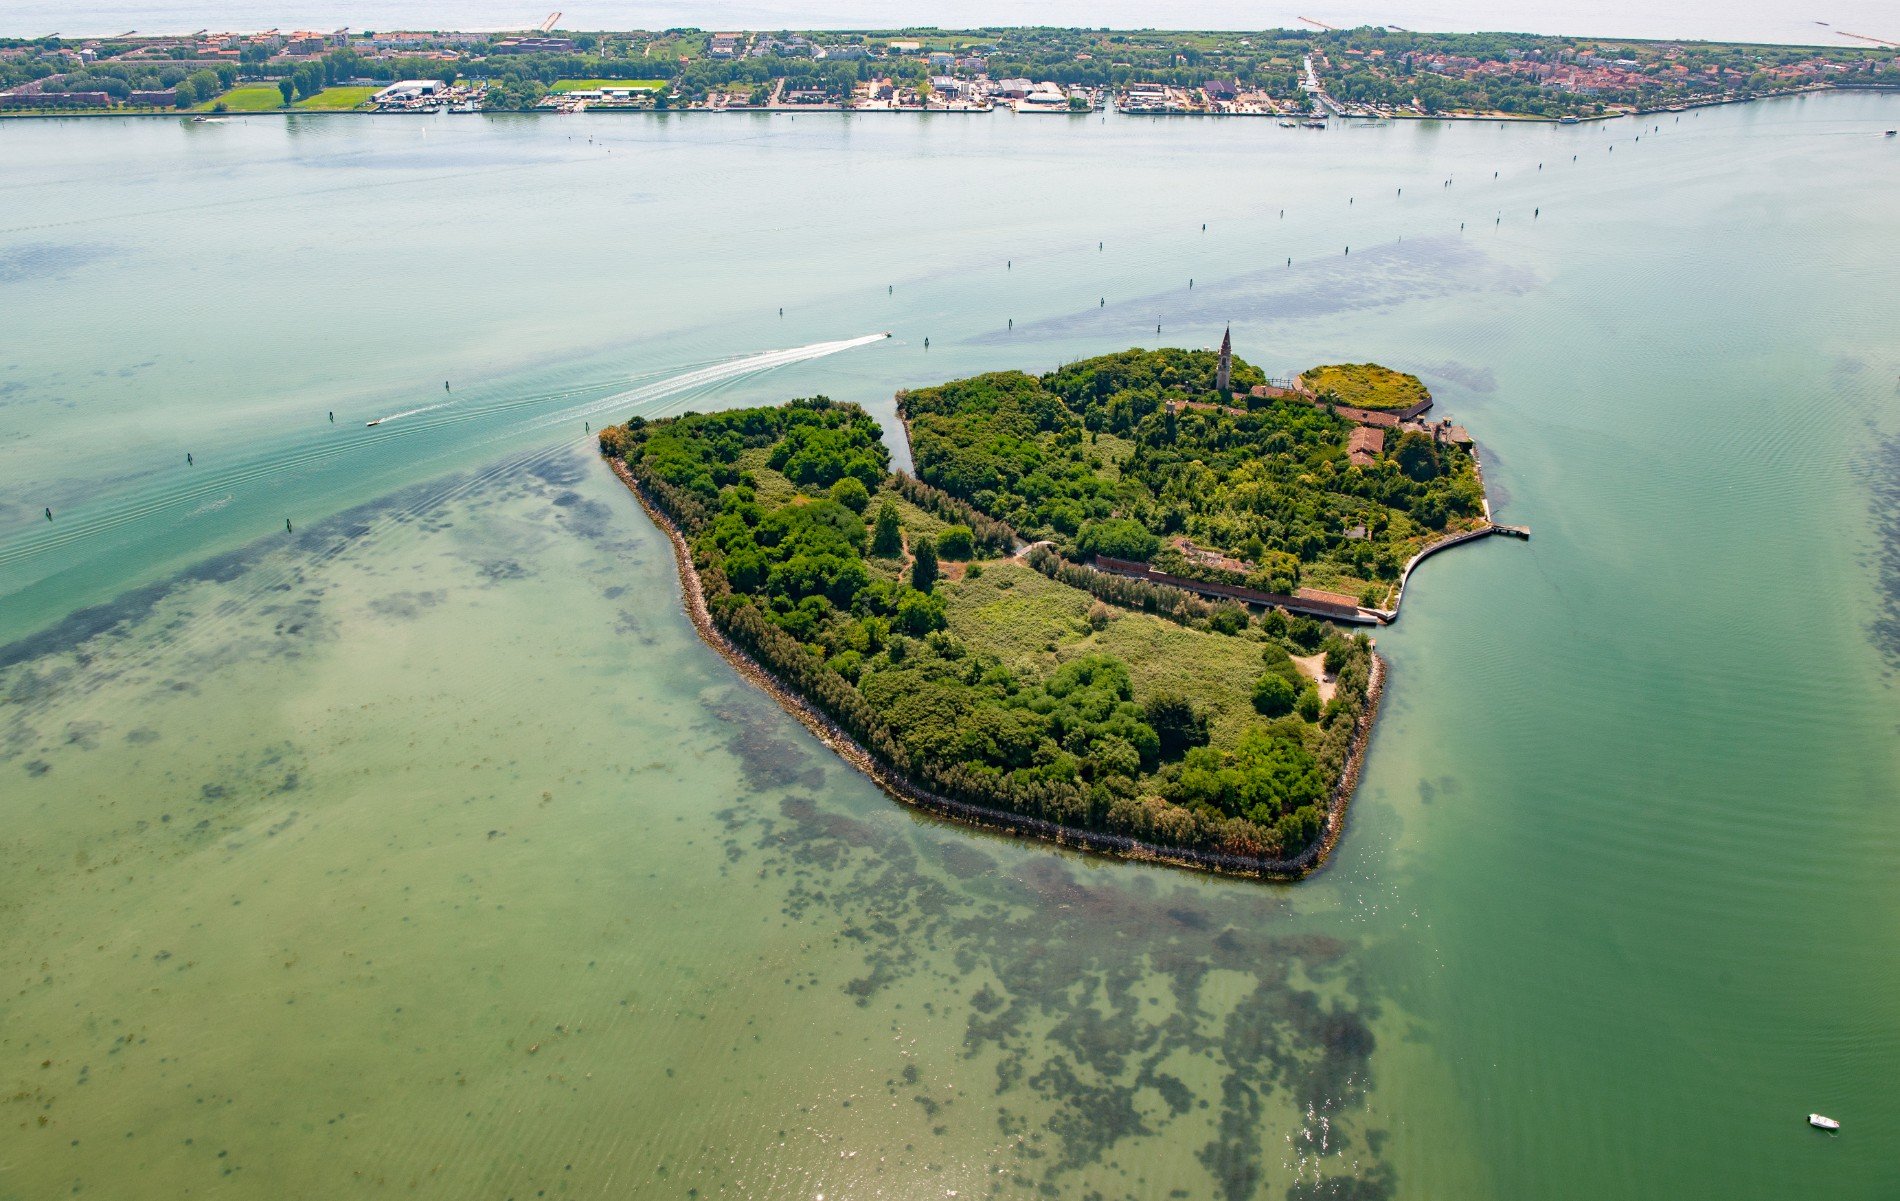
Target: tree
1309,703
184,95
1417,455
1273,695
1119,538
1278,572
1228,618
288,89
956,542
923,567
852,494
1176,723
887,539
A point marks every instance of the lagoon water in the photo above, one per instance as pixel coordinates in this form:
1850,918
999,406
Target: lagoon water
423,850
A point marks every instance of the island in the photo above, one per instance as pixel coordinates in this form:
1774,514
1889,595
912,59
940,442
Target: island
1120,606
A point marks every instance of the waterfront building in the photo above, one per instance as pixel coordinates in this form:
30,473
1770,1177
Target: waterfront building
1365,445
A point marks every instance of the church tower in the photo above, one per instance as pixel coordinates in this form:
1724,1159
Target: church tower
1223,374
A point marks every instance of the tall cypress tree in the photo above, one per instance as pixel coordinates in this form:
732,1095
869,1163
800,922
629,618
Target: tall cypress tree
923,568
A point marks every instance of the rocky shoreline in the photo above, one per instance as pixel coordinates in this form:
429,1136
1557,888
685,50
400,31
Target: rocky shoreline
898,787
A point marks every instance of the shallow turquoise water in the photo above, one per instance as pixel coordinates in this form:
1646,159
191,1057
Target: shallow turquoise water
426,850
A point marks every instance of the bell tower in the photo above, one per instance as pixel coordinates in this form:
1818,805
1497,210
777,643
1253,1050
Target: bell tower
1223,375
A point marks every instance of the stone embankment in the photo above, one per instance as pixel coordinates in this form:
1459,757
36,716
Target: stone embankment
900,788
1490,527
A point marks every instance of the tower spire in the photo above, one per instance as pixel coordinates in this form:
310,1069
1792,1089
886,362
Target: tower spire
1223,374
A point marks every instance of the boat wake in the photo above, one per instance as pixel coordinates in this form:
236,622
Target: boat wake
323,459
730,370
409,413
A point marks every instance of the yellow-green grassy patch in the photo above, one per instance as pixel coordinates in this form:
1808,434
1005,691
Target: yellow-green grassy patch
246,98
1367,385
1016,613
338,99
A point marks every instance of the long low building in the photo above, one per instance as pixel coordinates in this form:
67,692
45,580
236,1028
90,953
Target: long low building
409,89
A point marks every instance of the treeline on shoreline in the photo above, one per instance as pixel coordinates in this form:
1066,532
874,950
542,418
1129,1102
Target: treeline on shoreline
1443,72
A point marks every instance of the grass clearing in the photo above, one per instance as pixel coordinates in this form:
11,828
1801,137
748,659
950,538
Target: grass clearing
1015,612
245,98
1113,452
770,488
1367,385
590,85
338,99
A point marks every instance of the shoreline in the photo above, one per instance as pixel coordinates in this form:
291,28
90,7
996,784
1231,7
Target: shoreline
1342,118
901,789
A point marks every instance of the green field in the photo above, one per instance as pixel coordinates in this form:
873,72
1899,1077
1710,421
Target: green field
1367,385
1016,613
338,99
246,98
588,85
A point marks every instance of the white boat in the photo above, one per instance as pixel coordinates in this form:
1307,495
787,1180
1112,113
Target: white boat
1822,1122
367,424
1044,98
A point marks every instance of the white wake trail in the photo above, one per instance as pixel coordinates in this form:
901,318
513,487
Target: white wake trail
412,412
765,360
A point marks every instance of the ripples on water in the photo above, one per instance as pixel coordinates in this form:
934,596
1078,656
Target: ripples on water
427,850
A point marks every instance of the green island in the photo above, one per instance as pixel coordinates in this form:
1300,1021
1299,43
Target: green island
1086,617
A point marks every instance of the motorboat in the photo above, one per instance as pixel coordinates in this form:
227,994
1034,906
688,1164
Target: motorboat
1821,1121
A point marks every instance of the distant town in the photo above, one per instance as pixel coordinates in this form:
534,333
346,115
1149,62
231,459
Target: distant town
1301,77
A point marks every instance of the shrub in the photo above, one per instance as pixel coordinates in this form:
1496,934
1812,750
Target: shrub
1228,619
956,543
1307,632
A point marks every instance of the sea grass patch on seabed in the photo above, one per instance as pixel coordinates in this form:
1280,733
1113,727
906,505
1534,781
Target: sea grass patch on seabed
1256,1044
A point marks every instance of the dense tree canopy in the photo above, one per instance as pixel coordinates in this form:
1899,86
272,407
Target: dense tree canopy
1130,454
828,570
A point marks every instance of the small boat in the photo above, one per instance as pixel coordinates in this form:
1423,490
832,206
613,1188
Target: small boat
1822,1122
1891,132
1289,125
367,424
